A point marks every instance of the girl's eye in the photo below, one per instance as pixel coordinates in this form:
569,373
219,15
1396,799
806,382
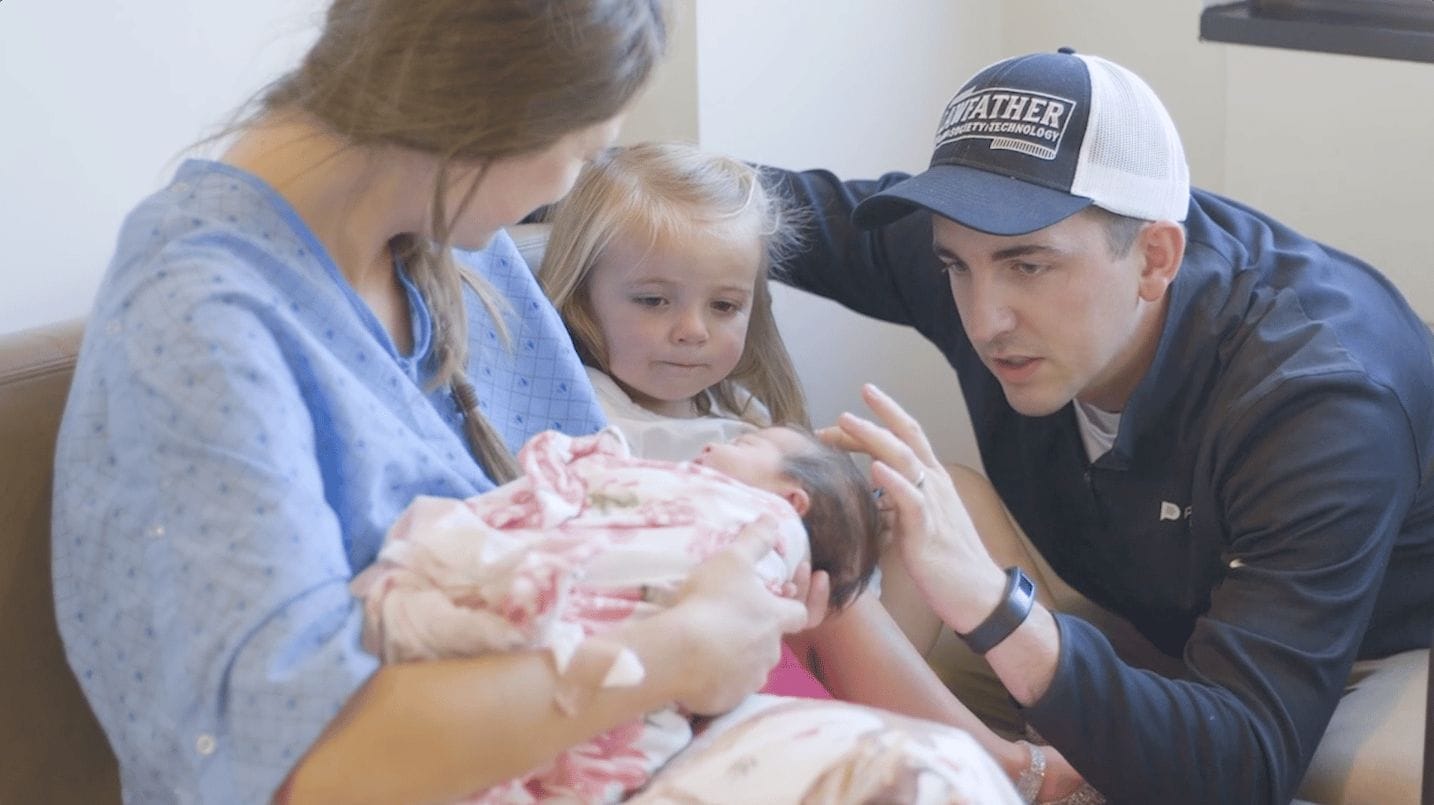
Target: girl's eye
648,301
722,306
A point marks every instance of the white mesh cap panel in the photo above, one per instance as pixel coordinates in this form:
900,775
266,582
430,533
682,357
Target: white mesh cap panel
1131,161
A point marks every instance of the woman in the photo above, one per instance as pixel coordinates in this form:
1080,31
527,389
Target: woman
284,353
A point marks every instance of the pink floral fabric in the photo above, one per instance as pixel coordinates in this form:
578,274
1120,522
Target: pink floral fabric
586,538
773,749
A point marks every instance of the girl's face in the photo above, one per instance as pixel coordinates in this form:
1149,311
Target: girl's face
674,317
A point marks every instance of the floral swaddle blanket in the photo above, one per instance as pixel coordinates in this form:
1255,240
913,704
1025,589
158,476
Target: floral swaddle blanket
587,538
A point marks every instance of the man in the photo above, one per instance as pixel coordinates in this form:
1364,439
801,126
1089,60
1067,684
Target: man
1217,432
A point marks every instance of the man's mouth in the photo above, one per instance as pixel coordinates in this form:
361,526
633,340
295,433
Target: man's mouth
1014,362
1014,368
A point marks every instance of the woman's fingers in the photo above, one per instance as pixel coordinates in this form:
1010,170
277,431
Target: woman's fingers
792,614
756,540
734,623
817,599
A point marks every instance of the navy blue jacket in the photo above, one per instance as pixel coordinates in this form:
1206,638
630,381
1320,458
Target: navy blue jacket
1288,416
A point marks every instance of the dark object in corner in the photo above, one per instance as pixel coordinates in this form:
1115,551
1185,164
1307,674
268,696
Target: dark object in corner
1387,29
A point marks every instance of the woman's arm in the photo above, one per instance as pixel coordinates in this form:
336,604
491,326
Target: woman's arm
433,731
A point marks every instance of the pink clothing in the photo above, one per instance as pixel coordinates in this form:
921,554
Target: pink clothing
588,537
791,678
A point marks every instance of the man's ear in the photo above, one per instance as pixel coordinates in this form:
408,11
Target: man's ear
1161,247
799,499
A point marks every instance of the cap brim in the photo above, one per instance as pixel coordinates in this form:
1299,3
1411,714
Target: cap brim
984,201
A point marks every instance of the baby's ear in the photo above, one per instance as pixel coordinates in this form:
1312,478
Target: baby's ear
799,499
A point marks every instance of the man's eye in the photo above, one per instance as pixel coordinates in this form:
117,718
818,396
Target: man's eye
953,268
1028,269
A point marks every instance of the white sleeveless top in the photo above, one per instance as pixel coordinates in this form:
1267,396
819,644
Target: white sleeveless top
667,438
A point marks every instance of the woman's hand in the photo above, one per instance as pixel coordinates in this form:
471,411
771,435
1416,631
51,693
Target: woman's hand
931,528
731,625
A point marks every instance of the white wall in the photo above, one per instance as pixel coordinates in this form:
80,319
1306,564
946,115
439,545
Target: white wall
1341,147
667,107
849,86
99,98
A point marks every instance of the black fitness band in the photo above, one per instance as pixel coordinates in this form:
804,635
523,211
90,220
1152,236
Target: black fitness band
1010,613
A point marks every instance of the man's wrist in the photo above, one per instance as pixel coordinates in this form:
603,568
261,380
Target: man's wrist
983,594
1016,599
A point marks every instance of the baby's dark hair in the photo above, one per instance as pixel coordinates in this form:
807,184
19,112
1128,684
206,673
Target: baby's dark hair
842,521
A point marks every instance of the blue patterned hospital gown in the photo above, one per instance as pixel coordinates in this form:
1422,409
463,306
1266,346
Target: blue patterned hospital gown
240,434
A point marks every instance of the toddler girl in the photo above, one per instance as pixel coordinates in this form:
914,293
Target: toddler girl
658,263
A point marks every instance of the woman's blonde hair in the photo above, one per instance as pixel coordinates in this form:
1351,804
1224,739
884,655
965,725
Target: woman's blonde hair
650,193
468,81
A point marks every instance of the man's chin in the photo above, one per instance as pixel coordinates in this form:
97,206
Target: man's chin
1033,405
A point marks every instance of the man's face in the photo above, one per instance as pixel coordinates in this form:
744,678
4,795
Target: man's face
1053,314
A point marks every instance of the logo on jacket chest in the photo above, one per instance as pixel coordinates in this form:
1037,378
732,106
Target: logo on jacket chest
1173,511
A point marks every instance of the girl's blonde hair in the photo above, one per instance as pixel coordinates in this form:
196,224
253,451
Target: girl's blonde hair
469,82
656,191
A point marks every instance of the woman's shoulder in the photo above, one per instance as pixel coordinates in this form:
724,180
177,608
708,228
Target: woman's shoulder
213,247
212,233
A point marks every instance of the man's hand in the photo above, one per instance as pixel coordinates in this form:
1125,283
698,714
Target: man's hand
930,525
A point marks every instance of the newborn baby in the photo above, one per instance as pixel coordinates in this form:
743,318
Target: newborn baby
589,536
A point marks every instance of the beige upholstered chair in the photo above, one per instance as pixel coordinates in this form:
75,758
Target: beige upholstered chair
51,747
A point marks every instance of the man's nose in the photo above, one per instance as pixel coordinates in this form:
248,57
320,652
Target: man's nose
987,312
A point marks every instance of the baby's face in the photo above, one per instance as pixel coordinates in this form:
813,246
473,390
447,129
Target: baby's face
756,458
